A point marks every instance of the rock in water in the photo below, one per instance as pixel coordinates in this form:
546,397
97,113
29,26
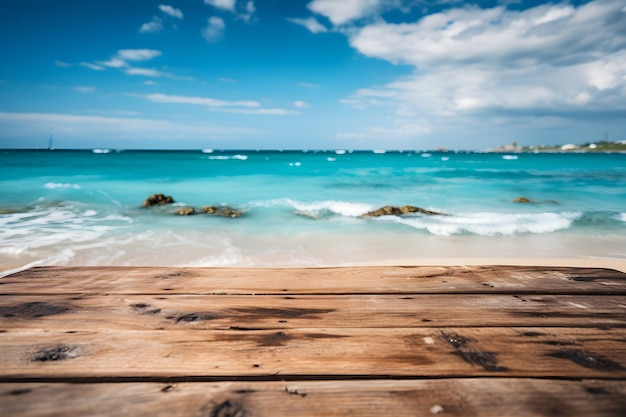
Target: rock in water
398,211
222,211
185,211
158,200
522,200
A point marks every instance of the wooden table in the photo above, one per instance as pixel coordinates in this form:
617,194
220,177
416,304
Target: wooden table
364,341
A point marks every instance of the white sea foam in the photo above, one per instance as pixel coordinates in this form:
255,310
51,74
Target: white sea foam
622,217
228,157
55,185
426,155
101,151
44,229
491,224
510,157
340,151
329,159
315,208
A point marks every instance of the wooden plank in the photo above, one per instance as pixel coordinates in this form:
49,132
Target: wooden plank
345,280
181,312
451,352
496,397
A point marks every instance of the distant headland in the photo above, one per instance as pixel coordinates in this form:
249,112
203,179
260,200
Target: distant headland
600,146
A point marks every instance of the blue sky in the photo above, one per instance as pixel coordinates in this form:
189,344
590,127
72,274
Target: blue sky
312,74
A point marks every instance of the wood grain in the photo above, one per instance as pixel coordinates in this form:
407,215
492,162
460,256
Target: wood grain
237,342
181,312
462,352
493,397
346,280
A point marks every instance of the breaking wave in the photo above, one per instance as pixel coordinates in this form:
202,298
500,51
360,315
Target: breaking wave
318,208
490,224
228,157
25,232
55,185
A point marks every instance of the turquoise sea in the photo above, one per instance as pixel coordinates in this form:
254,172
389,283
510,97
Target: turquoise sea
303,208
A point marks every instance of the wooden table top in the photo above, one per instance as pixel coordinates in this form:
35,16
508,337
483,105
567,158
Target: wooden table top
367,341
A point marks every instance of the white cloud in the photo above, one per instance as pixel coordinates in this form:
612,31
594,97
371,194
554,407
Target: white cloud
344,11
114,62
138,54
301,104
310,23
275,112
119,60
496,62
216,105
222,4
155,25
248,11
89,127
62,63
169,10
199,101
123,55
149,82
148,72
92,66
214,29
85,89
227,80
543,34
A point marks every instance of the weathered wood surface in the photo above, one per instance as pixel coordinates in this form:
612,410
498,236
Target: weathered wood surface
493,341
492,351
179,312
493,397
348,280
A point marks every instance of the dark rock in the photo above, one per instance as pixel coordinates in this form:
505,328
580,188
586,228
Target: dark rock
399,211
185,211
222,211
158,200
307,214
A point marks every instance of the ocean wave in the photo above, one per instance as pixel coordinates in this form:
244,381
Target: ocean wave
228,157
318,208
622,217
490,224
24,232
55,185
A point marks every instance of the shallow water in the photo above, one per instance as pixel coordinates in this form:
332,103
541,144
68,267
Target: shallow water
303,208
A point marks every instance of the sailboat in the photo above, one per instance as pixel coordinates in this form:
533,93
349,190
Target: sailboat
50,142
